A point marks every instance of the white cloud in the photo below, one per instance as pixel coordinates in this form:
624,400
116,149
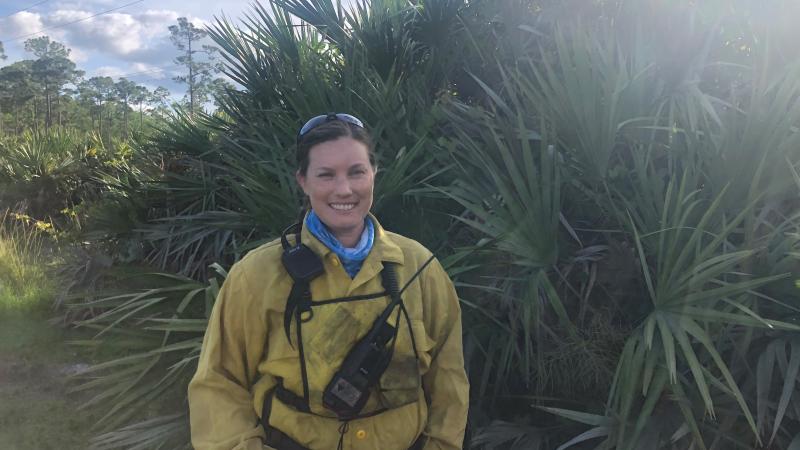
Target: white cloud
132,71
155,22
117,34
120,35
143,67
108,71
199,23
130,40
20,24
78,55
143,71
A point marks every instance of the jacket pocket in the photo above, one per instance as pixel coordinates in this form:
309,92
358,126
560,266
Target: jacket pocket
333,335
401,384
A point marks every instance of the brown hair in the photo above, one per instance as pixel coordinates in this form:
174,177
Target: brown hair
330,131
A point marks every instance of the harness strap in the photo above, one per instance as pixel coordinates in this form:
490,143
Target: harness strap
289,398
275,438
305,407
279,440
299,301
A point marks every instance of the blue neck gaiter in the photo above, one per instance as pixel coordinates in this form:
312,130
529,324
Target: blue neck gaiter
352,258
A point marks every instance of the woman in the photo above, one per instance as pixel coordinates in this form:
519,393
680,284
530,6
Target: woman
340,336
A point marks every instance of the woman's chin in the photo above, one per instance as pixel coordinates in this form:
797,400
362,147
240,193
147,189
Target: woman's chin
340,224
345,224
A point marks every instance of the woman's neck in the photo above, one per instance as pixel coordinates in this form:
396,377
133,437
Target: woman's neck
349,238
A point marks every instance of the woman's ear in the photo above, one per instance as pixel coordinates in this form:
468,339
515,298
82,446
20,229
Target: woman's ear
301,180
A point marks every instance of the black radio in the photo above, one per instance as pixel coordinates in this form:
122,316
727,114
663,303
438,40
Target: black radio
348,391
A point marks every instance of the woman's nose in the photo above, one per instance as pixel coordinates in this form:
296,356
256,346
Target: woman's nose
342,187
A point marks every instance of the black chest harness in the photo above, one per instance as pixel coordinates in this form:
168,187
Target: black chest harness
349,389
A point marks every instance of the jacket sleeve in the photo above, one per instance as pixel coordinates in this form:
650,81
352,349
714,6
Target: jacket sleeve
221,410
445,384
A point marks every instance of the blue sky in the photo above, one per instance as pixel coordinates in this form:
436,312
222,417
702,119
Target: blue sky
132,41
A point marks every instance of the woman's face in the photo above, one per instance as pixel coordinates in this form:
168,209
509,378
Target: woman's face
339,183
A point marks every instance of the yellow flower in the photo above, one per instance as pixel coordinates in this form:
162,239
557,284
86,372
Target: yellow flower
22,217
44,226
69,212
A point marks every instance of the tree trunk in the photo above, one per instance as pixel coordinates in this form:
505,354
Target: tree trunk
58,107
109,123
35,112
191,79
100,120
48,108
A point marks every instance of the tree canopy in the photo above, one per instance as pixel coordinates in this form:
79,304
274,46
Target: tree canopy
199,62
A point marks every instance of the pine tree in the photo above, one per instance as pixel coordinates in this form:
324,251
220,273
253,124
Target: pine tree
125,91
185,36
52,70
16,89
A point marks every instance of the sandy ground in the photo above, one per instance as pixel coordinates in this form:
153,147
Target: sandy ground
36,410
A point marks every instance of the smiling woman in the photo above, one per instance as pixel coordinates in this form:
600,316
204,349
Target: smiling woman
311,339
338,177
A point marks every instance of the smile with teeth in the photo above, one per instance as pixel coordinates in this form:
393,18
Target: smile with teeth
342,206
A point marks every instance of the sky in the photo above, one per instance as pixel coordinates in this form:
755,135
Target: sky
131,41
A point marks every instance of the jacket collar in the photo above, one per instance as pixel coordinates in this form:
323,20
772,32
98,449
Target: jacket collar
383,248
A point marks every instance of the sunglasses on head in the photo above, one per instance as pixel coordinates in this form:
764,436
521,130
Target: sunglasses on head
314,122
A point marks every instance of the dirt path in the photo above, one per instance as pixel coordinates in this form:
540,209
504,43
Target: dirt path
36,412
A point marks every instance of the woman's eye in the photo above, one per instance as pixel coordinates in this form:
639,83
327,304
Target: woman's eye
325,175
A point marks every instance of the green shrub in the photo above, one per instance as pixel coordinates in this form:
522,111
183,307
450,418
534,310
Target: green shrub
617,206
26,281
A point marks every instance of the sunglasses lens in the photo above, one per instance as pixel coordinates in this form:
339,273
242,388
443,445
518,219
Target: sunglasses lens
350,119
316,121
312,123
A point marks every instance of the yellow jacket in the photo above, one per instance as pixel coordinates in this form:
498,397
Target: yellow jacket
245,352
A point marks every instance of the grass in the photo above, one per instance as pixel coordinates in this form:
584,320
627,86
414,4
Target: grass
37,410
35,362
25,284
